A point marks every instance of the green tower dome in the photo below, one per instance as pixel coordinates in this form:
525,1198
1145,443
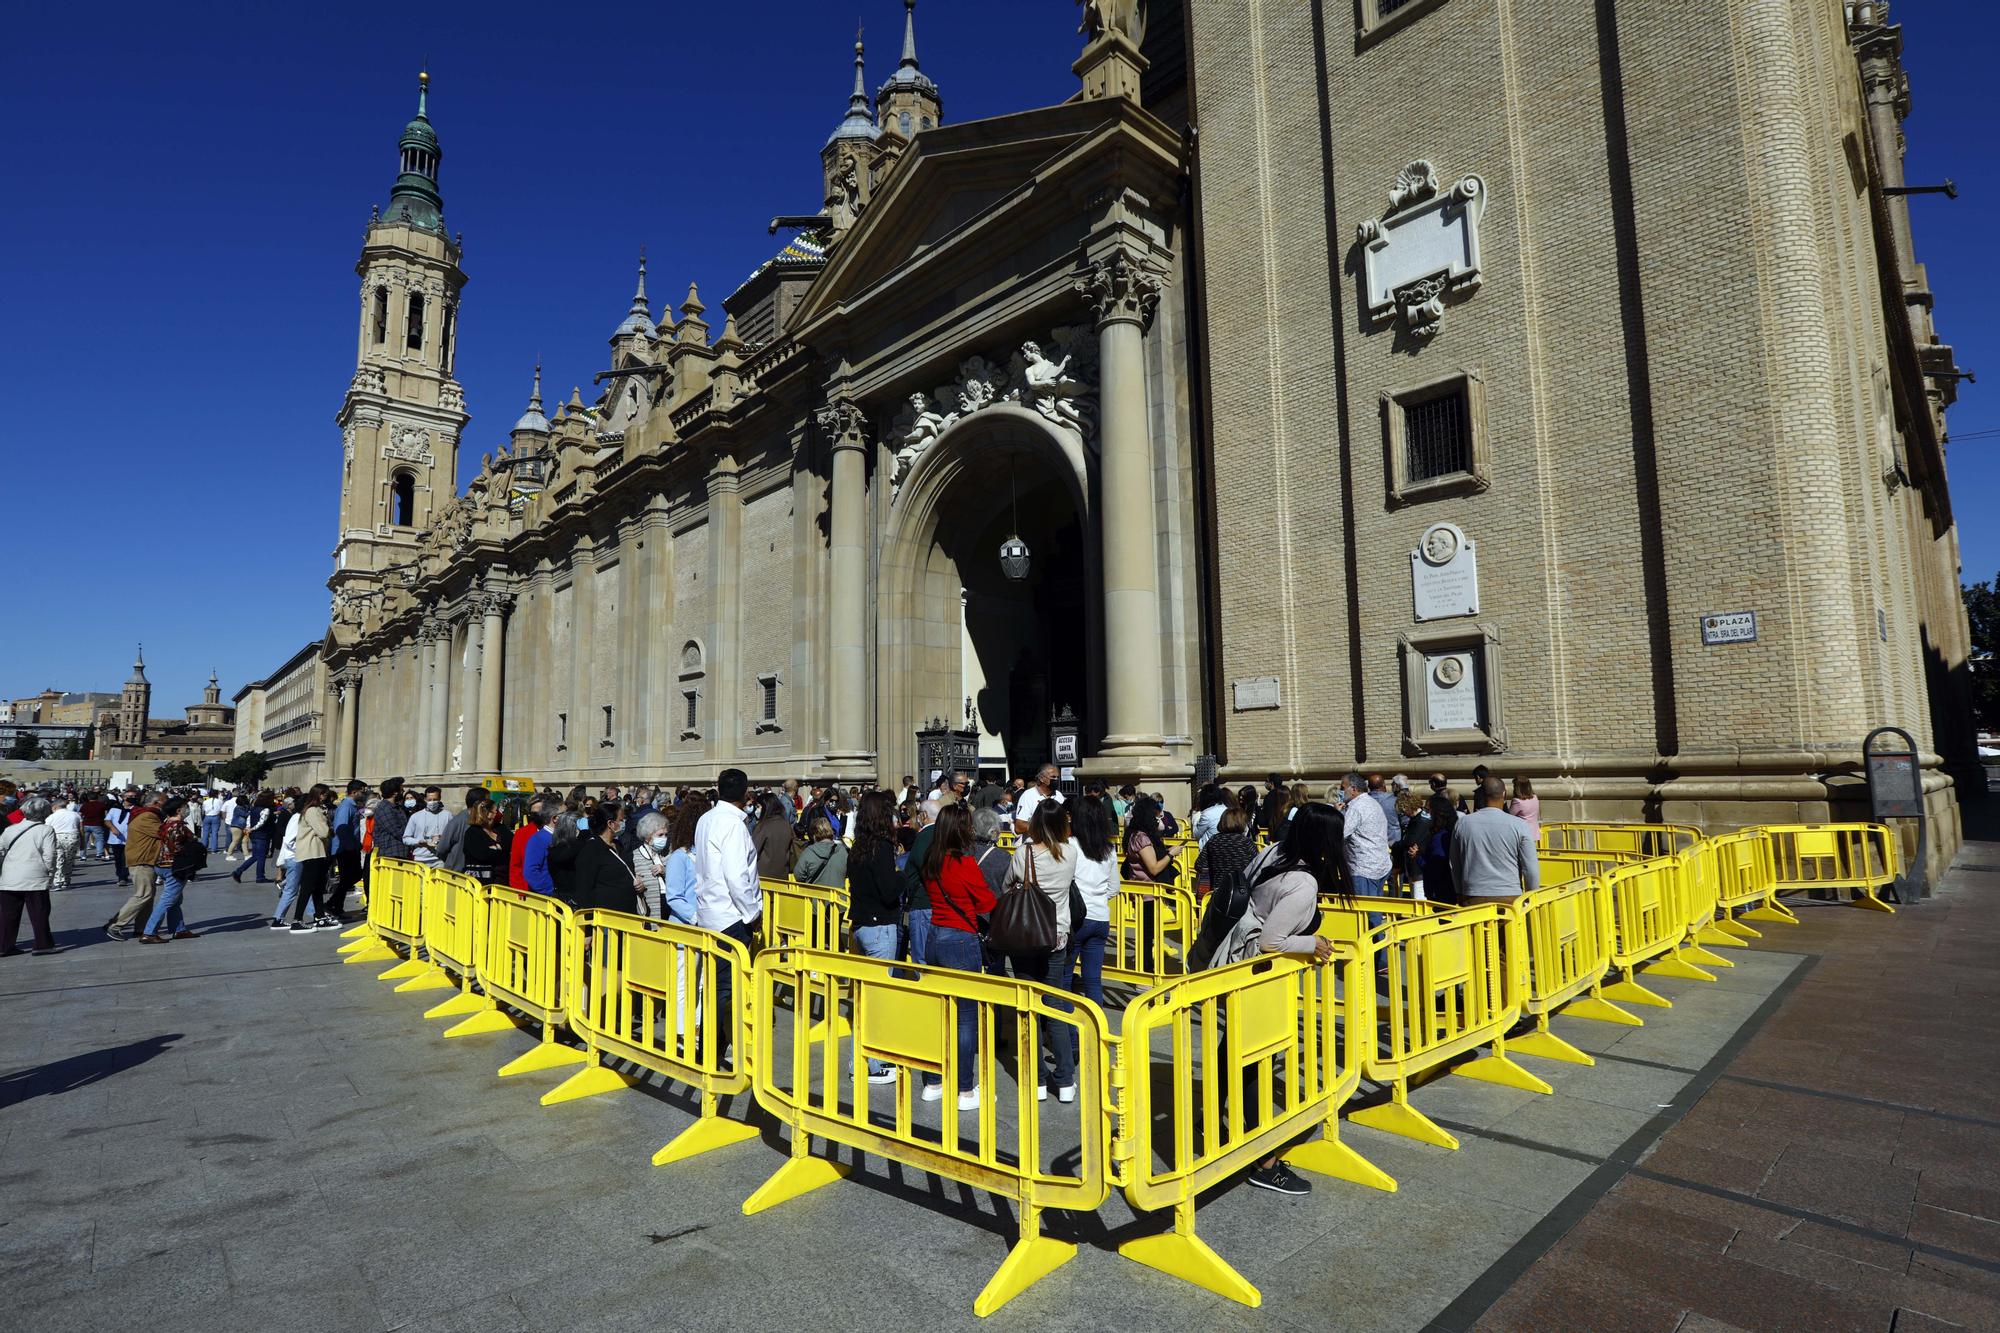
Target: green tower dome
415,200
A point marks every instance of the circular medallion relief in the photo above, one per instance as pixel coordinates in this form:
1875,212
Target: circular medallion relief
1448,672
1440,543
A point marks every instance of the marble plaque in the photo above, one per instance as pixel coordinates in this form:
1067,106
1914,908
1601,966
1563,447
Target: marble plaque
1444,574
1451,691
1259,692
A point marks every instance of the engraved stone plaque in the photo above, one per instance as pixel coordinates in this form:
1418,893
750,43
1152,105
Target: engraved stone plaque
1258,692
1451,689
1444,574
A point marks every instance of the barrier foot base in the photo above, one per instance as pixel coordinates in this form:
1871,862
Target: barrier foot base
1328,1156
486,1020
1732,926
1032,1259
1500,1068
404,970
1694,953
356,932
1600,1010
1188,1257
1714,933
1631,992
1405,1120
431,978
458,1006
1777,912
1676,965
362,945
592,1082
548,1055
1873,904
376,952
704,1135
1548,1046
800,1175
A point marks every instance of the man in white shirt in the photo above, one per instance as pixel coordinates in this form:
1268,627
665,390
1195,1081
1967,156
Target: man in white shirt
1365,832
1043,790
211,822
426,828
728,899
67,825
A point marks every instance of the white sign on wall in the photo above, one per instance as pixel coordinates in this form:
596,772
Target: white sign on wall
1444,574
1728,627
1257,692
1451,691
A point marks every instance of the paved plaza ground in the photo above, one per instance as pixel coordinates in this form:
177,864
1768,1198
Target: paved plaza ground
240,1133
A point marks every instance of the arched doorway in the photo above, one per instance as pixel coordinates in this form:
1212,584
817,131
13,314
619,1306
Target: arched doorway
954,627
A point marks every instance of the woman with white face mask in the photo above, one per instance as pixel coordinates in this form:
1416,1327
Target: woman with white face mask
649,860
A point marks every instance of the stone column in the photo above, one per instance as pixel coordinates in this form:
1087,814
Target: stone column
442,701
659,647
1123,293
427,698
464,737
347,751
583,728
721,724
846,630
492,662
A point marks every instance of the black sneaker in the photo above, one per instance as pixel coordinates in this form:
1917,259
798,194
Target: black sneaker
277,924
1278,1178
303,928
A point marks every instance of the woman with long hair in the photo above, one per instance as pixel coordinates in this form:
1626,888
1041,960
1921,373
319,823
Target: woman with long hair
875,892
1096,882
677,897
261,817
485,855
1439,886
1048,858
310,842
959,897
772,838
564,843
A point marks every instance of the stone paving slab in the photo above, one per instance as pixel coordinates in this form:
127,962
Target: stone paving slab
241,1132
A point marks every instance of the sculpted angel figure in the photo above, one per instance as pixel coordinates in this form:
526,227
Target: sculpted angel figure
1048,387
915,429
1124,16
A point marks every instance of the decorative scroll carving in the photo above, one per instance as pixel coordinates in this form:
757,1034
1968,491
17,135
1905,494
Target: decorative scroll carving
1121,287
1062,389
844,423
1424,250
410,443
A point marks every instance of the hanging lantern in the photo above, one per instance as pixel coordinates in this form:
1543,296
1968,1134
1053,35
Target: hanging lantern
1014,559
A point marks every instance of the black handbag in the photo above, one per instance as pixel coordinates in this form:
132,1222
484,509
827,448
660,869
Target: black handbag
1024,920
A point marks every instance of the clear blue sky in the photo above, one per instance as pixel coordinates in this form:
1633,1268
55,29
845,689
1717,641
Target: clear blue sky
188,187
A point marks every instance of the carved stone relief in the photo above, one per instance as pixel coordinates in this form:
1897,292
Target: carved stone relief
410,443
1424,249
1059,385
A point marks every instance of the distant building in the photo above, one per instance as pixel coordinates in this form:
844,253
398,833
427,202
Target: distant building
281,716
126,732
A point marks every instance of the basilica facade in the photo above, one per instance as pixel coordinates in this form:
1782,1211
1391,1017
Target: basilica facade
1582,418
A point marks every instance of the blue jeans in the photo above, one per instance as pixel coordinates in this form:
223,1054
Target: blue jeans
288,897
260,846
877,942
960,949
1365,887
1087,943
919,927
93,840
1058,1039
167,907
211,832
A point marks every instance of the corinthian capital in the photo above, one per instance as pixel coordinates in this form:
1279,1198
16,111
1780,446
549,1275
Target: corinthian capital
1121,288
844,423
493,604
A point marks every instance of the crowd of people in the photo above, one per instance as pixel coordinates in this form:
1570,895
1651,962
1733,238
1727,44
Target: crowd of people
924,870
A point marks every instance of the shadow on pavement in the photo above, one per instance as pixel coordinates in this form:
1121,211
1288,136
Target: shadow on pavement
80,1071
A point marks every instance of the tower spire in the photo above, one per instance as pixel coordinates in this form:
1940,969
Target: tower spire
859,122
534,421
415,201
639,319
909,60
908,102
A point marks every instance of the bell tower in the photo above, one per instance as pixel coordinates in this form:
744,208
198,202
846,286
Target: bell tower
403,415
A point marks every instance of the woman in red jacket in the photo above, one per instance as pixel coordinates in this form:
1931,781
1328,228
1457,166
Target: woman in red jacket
959,897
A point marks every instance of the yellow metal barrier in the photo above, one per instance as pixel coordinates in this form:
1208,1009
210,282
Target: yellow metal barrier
1649,913
1560,943
908,1017
1153,926
1559,868
805,916
452,907
1254,1054
1629,842
395,916
1701,893
526,943
638,993
1861,857
1447,989
1746,879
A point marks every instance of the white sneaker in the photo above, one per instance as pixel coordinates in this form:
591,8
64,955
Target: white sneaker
933,1092
885,1075
968,1101
1042,1093
1067,1094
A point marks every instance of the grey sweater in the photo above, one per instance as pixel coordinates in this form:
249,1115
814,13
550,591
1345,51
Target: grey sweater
1493,855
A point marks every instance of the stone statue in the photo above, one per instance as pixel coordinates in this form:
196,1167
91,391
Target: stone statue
916,429
1121,16
1048,387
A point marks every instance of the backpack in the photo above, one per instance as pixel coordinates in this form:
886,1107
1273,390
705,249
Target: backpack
190,860
1227,902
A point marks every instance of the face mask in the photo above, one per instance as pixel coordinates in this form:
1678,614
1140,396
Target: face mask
410,804
434,806
659,842
582,824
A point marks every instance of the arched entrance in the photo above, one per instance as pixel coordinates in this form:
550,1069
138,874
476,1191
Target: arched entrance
954,627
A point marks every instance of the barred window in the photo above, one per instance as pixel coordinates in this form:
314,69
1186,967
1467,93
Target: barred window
770,687
693,708
1437,436
1384,8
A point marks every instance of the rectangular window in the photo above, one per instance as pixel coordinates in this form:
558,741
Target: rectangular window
770,687
1437,436
693,714
1434,435
1381,17
562,731
607,725
381,315
414,324
444,347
